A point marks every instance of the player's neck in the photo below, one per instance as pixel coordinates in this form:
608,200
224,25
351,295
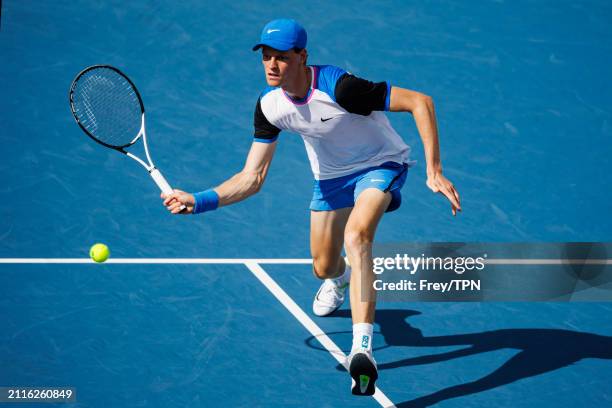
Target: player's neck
299,88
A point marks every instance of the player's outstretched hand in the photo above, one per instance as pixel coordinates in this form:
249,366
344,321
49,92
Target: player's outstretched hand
178,198
440,184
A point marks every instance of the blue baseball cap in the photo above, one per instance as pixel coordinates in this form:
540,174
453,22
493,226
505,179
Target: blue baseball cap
282,34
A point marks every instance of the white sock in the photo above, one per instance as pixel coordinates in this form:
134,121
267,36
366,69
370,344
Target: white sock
362,336
345,278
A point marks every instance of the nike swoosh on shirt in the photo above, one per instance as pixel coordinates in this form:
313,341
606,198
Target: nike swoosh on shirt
326,119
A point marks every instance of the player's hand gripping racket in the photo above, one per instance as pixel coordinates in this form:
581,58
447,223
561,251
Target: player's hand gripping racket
109,109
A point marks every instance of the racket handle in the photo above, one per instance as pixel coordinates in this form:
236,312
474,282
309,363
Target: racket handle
162,183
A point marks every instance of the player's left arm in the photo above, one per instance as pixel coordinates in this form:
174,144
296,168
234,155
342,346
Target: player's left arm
422,108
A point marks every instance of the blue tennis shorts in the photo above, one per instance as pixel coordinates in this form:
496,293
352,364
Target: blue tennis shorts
342,192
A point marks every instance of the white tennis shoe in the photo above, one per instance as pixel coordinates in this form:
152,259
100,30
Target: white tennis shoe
329,298
330,295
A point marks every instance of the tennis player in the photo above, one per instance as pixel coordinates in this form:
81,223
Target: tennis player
359,164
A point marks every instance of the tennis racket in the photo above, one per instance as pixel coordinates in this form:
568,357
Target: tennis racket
107,106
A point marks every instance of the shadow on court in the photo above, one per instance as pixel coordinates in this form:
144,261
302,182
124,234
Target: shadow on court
539,351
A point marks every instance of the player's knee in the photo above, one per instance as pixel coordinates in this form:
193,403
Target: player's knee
323,268
356,238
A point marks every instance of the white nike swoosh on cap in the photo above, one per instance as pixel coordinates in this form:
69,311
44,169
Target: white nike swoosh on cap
271,31
376,180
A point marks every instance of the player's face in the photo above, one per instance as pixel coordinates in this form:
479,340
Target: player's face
281,67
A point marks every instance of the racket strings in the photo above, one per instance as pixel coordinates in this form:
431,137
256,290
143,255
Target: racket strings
107,106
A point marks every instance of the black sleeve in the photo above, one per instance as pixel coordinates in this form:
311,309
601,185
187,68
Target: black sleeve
361,96
263,128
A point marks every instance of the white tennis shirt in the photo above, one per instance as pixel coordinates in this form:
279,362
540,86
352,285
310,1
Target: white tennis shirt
340,121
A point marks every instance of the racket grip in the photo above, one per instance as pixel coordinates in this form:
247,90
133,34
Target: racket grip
162,183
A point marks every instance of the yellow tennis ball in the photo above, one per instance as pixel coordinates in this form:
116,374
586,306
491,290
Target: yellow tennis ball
99,252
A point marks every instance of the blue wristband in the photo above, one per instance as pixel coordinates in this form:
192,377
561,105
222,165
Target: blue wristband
205,201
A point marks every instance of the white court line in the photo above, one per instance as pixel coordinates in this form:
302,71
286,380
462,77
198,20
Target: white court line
309,324
535,261
284,261
155,261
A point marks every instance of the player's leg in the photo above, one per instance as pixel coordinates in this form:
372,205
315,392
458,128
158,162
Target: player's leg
326,239
358,238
